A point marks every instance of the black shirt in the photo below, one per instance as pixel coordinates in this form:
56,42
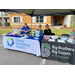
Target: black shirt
47,32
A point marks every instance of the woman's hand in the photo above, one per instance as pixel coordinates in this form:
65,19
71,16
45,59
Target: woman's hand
25,31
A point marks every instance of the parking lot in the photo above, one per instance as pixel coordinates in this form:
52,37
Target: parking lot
10,57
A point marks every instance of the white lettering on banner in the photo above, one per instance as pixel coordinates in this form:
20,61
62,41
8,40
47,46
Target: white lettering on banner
66,48
54,47
61,50
53,51
63,53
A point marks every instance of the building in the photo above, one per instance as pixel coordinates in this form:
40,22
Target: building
5,17
43,20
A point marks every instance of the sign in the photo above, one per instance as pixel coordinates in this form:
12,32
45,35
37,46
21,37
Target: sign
63,52
24,45
19,43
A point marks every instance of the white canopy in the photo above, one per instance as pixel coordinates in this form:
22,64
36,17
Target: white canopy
44,12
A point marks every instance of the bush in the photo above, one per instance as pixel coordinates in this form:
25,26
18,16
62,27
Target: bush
0,23
7,24
10,26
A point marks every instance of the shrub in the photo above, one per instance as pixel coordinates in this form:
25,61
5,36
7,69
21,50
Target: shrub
7,24
10,26
0,23
65,26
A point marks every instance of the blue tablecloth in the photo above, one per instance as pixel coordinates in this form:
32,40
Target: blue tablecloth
29,37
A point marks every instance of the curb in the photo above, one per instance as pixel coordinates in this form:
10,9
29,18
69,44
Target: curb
3,34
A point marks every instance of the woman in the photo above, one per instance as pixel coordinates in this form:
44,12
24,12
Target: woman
47,31
25,29
41,31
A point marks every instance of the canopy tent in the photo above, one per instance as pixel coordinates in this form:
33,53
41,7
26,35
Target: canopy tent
44,12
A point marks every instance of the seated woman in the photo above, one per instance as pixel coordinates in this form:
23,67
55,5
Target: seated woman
47,31
40,29
25,29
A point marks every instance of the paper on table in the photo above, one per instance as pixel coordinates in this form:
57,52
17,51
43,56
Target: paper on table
54,37
35,38
15,30
70,40
62,41
52,40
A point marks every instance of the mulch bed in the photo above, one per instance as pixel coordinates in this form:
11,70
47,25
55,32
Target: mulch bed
34,28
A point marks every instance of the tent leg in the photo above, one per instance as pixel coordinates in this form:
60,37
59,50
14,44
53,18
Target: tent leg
35,22
18,21
74,22
31,25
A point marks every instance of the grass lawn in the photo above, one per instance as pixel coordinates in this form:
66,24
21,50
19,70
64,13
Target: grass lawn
72,26
58,32
5,31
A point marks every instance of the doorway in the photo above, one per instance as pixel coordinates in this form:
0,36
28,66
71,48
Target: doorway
56,22
6,20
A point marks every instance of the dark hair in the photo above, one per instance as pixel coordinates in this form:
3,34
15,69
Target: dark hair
40,25
26,24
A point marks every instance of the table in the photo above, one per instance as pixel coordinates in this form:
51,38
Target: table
29,45
63,52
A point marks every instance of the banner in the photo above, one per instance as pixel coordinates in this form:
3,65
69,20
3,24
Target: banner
25,45
64,52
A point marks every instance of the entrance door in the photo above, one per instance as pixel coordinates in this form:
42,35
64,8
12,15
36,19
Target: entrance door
56,22
6,20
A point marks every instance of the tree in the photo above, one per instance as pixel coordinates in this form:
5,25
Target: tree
5,14
2,19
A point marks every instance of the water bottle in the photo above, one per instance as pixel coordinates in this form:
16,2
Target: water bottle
19,31
37,33
33,33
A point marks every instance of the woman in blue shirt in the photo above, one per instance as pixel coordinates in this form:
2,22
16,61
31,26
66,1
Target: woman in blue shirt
25,29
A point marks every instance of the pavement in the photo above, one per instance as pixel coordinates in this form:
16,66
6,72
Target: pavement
10,57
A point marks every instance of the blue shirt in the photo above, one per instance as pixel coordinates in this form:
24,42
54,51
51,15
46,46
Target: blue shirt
25,29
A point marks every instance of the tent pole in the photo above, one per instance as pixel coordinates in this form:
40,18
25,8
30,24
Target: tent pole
35,22
31,25
18,21
74,22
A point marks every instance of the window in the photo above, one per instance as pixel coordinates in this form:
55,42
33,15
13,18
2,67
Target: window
39,19
15,19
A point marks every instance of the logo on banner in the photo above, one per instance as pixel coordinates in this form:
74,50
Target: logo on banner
10,42
46,50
